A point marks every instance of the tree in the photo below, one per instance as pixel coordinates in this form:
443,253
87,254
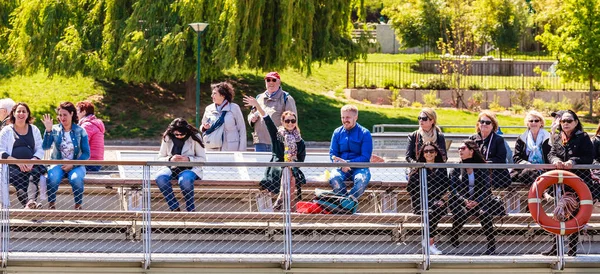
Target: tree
149,40
501,22
418,22
575,42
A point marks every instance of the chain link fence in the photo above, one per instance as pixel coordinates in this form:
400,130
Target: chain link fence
416,213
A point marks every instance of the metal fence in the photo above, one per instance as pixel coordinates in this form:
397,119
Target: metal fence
127,219
478,76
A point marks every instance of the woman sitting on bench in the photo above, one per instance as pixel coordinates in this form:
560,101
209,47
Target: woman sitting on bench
471,190
288,146
181,142
437,187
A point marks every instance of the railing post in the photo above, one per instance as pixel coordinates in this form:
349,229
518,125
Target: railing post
286,176
347,74
425,218
146,219
5,228
560,243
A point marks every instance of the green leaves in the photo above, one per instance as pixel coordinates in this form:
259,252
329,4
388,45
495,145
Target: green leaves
149,40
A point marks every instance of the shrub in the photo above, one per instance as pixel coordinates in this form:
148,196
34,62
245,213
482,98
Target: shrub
521,98
474,86
416,105
397,100
517,109
495,104
475,101
431,99
389,83
437,84
537,85
565,103
541,106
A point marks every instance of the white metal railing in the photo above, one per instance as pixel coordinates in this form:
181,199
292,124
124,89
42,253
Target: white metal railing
223,228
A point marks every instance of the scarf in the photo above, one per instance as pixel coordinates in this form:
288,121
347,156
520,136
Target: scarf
534,148
430,136
289,140
178,145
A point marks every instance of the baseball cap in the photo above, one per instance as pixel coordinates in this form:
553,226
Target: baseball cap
273,74
557,113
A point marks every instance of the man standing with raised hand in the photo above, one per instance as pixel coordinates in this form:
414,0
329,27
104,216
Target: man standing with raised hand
274,102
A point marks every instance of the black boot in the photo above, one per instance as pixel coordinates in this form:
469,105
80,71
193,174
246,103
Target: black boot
454,240
491,247
573,241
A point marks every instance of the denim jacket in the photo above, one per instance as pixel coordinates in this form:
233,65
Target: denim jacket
78,136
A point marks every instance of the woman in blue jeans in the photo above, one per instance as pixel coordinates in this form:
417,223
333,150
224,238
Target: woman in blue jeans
70,143
181,142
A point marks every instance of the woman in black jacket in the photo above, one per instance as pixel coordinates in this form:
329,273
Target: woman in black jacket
428,132
437,187
492,147
532,147
470,193
572,146
288,146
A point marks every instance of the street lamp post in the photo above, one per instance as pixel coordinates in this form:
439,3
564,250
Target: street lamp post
198,28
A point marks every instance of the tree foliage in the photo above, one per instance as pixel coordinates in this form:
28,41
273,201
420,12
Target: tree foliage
418,22
501,22
149,40
575,42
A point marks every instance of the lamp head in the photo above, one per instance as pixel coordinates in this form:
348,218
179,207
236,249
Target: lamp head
198,27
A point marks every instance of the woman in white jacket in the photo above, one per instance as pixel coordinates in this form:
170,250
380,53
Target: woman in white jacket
22,140
233,137
181,142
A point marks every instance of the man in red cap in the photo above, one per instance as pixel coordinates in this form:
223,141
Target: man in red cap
274,101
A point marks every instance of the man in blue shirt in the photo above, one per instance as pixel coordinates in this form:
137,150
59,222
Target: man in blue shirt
350,143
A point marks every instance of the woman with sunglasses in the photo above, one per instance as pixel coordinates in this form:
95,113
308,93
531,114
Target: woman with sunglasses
428,132
532,147
437,186
288,146
181,142
571,146
492,147
470,192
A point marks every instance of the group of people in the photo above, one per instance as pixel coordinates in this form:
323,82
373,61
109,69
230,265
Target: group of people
274,120
79,135
469,190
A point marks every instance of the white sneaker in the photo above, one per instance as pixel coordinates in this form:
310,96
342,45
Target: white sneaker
434,250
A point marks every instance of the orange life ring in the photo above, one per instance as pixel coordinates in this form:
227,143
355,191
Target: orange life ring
536,192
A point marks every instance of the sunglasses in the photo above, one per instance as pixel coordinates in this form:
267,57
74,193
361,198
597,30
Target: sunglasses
179,134
271,80
566,121
424,118
534,121
462,147
287,121
484,122
429,151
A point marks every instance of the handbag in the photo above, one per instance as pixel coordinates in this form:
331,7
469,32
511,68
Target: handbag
213,137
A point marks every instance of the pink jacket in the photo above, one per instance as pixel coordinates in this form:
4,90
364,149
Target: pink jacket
95,130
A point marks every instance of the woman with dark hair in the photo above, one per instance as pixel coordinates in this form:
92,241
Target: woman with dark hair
223,112
181,142
428,132
288,146
22,140
95,130
437,186
470,192
70,143
492,147
571,146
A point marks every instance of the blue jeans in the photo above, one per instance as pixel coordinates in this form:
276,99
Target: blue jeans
260,147
186,183
75,176
360,176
